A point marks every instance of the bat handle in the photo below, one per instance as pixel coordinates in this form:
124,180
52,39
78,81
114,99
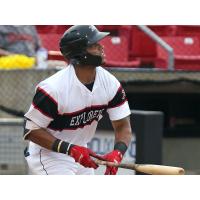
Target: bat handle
98,157
112,164
101,161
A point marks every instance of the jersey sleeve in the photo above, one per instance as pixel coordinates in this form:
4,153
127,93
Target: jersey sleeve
118,107
44,107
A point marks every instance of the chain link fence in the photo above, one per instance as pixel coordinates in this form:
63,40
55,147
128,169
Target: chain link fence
17,89
11,147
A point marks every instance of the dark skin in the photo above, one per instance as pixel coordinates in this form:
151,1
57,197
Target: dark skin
86,75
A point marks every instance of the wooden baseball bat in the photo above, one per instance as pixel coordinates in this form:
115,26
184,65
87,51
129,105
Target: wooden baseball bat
146,168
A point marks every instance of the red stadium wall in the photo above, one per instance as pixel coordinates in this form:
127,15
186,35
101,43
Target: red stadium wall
128,46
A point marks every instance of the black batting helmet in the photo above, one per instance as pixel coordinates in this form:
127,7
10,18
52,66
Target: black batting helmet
76,39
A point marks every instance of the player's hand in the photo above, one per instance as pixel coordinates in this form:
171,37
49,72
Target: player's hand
82,156
114,156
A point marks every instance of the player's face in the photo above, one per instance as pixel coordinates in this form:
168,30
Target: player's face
96,49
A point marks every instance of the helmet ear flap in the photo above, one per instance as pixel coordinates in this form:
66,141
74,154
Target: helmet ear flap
74,48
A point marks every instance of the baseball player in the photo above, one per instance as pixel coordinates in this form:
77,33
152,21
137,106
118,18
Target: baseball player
68,105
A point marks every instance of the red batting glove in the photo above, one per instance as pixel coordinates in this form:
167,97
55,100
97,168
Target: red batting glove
82,156
114,156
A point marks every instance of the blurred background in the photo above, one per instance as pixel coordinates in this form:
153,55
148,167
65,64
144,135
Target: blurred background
158,66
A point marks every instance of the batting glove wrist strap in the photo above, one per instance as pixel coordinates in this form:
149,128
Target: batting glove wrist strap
121,146
61,146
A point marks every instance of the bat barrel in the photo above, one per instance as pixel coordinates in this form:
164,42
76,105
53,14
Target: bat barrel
159,169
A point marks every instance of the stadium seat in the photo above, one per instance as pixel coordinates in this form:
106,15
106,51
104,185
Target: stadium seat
162,30
186,52
60,29
50,41
116,51
42,29
188,30
142,47
113,29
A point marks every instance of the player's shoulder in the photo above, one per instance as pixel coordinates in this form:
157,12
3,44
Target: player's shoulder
57,77
55,81
102,70
106,74
107,78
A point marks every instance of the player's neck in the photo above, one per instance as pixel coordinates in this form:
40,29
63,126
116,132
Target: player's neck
85,74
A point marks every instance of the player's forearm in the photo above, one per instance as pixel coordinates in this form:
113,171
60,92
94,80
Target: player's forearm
42,138
123,131
48,141
124,136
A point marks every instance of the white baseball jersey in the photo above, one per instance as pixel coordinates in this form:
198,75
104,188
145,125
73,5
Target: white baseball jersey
70,111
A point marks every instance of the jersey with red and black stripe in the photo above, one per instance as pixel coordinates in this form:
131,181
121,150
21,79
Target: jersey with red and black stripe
70,111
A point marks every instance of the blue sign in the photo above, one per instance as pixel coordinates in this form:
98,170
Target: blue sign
104,143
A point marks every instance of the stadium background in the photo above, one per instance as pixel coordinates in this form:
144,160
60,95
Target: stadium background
159,69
